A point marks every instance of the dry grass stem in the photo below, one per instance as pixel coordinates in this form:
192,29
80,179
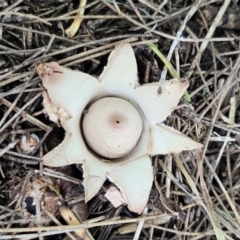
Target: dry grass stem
195,194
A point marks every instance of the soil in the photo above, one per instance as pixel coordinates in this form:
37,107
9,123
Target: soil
195,193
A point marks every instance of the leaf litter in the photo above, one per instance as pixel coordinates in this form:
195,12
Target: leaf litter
196,195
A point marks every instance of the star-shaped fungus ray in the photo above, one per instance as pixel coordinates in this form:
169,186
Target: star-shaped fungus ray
95,173
68,89
157,107
71,150
121,69
66,95
135,179
165,140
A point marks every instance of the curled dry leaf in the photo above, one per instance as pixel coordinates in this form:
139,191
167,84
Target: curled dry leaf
120,124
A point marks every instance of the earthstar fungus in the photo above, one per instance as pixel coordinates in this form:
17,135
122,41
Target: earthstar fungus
113,125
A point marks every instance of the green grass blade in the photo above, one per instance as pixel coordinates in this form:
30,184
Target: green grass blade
169,66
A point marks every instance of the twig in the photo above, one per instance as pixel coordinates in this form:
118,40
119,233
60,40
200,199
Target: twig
19,112
209,35
26,116
191,12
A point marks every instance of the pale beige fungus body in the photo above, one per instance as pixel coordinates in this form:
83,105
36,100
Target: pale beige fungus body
109,119
71,94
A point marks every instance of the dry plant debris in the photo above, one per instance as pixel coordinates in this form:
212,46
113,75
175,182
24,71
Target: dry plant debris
28,143
41,195
72,30
195,195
